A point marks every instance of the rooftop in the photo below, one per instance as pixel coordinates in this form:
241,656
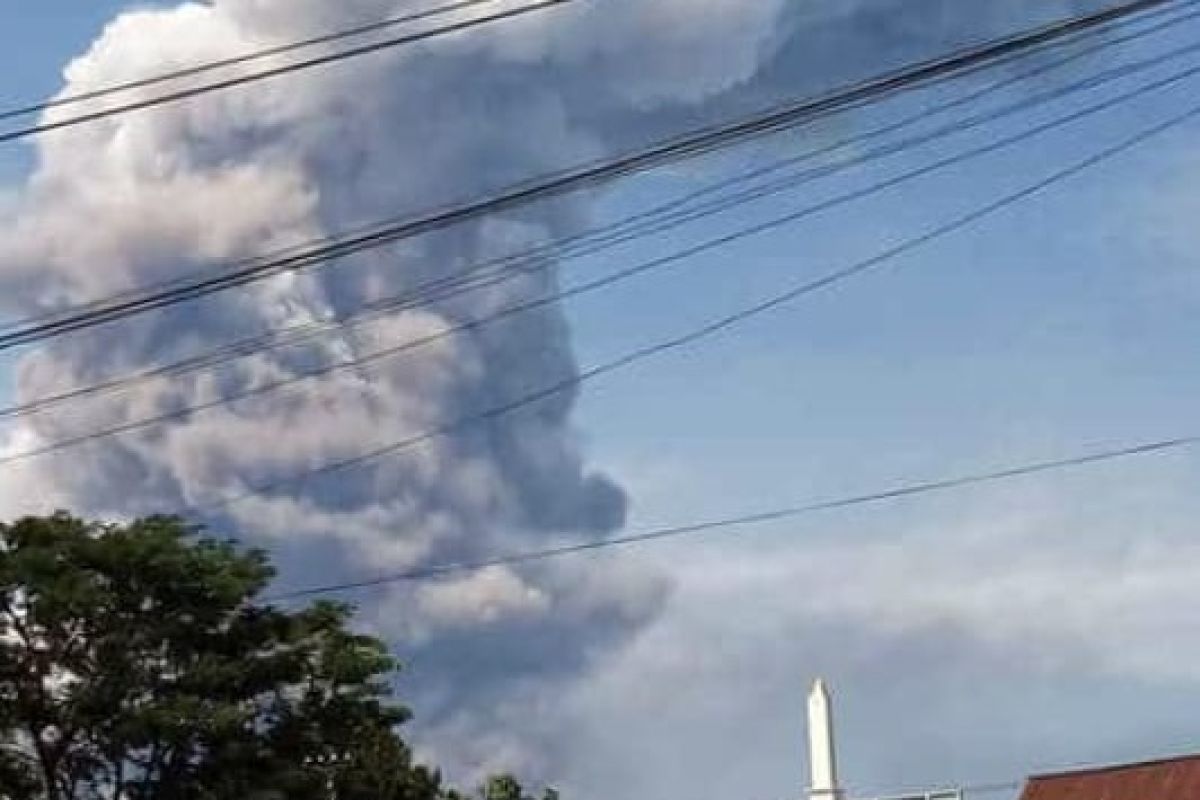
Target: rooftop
1164,779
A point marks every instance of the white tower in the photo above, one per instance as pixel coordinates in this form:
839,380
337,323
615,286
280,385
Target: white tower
822,761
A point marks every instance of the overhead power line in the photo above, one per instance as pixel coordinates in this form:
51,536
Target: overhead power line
309,63
887,494
317,246
641,268
244,58
492,272
689,145
965,791
991,788
696,335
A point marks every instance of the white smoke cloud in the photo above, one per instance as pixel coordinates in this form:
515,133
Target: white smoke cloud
152,195
481,598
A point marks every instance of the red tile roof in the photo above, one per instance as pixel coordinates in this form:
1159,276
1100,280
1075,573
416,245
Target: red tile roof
1168,779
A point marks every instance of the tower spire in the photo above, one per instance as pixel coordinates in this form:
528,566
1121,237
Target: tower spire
822,759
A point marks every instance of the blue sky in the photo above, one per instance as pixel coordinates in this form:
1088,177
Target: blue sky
1067,322
1067,319
37,42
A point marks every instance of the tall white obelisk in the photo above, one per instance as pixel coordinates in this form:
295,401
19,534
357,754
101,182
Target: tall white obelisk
822,760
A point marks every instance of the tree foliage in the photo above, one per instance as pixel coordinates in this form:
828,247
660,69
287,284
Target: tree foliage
135,663
506,787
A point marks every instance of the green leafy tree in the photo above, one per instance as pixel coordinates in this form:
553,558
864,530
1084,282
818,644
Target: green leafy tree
506,787
135,663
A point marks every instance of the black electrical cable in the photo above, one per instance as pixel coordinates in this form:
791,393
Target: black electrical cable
620,232
629,272
930,236
897,492
244,58
379,225
575,179
242,80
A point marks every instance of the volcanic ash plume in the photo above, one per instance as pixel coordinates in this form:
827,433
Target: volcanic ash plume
154,195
